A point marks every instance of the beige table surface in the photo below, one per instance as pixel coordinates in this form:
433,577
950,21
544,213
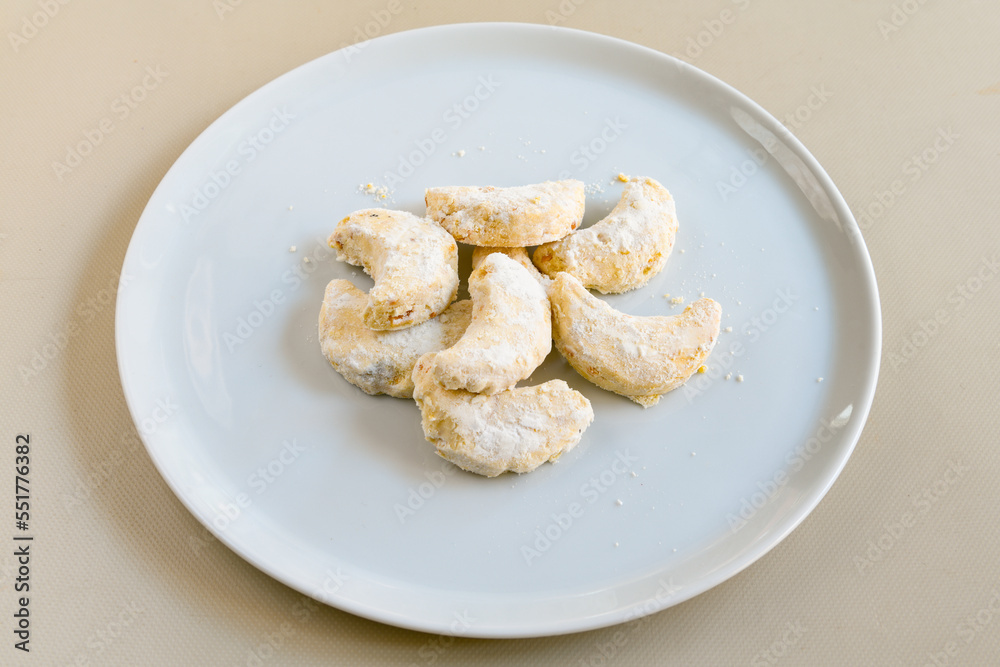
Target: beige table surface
122,574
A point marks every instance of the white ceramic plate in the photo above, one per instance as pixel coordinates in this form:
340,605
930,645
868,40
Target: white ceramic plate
337,493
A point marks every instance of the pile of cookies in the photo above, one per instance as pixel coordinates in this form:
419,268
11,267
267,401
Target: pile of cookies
460,361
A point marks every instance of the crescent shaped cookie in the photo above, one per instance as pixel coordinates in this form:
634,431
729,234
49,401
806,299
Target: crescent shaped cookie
625,249
515,430
514,217
381,362
519,255
413,261
640,358
510,333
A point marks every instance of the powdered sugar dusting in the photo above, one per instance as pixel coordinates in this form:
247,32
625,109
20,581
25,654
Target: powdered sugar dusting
625,249
518,216
413,261
510,334
514,430
381,362
638,357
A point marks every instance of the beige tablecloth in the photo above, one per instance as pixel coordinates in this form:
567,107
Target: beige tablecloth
900,564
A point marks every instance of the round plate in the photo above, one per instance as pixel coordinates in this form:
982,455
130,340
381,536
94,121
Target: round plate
336,493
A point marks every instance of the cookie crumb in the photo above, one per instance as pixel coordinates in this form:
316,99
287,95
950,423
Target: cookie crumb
728,330
739,378
622,177
619,502
676,301
702,368
729,375
819,379
292,248
376,191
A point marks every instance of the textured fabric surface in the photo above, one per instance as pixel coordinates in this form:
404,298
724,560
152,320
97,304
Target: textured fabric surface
898,565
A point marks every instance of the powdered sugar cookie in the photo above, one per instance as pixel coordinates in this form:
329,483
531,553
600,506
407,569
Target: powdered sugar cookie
622,251
510,333
381,362
638,357
515,430
413,261
519,255
520,216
